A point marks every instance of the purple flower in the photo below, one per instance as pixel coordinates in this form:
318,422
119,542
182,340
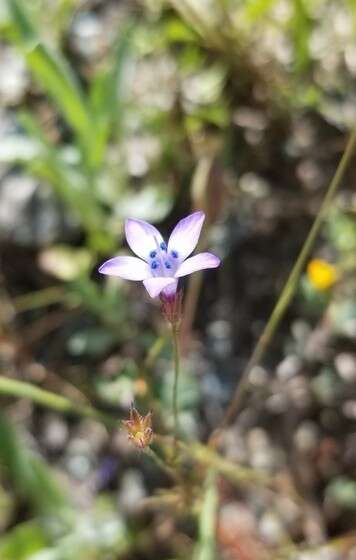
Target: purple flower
160,264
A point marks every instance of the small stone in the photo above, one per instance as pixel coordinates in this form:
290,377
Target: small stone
271,528
13,77
306,438
262,454
349,409
30,215
290,366
132,492
258,376
219,333
345,364
299,392
78,466
237,516
94,433
300,331
290,512
55,432
254,185
87,36
277,403
234,446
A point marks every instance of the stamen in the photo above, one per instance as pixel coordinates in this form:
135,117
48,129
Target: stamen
154,265
174,254
153,254
163,246
168,264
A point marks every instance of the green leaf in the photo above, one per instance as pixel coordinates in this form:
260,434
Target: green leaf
342,231
65,262
107,96
342,491
53,73
22,541
257,9
69,183
30,475
301,28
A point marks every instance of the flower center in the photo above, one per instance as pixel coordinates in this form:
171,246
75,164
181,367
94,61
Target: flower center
162,263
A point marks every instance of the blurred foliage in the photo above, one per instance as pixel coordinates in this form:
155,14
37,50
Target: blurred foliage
232,106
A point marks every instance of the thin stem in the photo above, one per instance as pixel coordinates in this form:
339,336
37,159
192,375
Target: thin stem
289,288
199,453
40,298
154,352
161,464
342,545
48,399
175,382
206,457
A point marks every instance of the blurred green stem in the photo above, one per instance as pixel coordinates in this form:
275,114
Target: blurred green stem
206,546
175,338
288,290
154,352
48,399
161,464
198,452
341,545
40,298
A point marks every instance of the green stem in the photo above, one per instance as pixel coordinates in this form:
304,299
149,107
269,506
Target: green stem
161,464
289,288
206,546
175,337
198,452
40,298
154,352
48,399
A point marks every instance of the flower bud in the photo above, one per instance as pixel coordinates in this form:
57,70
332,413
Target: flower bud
139,428
172,307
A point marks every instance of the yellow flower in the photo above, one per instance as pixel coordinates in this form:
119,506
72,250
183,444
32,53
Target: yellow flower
321,274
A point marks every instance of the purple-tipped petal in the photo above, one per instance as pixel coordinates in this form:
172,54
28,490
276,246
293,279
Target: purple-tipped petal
142,237
185,236
129,268
198,262
171,289
154,286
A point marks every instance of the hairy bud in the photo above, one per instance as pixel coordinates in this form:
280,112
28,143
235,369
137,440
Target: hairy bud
139,428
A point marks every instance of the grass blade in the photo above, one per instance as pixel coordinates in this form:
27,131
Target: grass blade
29,473
52,72
107,96
206,546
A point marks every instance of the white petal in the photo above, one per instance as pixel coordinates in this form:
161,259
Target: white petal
154,286
129,268
185,236
142,237
198,262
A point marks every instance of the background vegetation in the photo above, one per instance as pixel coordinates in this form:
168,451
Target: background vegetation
152,108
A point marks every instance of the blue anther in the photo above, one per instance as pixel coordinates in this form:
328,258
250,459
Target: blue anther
153,254
174,254
168,264
154,265
163,246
